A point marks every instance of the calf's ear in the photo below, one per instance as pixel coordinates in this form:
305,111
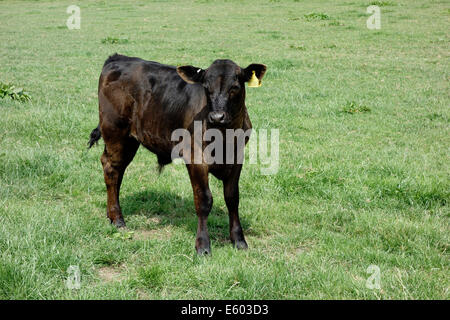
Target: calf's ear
260,70
191,74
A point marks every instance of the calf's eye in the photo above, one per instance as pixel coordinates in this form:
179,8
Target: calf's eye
234,89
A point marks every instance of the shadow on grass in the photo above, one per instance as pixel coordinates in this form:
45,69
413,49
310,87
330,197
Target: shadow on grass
171,209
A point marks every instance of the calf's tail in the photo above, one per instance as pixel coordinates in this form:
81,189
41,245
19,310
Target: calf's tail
95,136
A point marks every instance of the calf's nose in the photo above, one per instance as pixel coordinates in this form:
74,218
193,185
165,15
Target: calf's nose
216,117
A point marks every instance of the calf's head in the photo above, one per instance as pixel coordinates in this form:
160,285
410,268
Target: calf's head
224,83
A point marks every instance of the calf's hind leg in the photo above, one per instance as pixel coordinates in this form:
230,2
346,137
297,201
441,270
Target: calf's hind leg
115,159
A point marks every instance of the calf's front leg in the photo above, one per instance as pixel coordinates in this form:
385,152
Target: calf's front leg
231,195
203,203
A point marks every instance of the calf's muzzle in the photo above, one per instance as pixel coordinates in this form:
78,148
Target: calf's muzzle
218,117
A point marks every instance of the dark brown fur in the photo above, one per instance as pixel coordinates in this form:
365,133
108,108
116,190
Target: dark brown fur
143,102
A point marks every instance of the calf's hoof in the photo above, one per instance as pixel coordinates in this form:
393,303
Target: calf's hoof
204,251
202,245
119,222
241,245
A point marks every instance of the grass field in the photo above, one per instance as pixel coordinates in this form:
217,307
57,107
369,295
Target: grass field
364,153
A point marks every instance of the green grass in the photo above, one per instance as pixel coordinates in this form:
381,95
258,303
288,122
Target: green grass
354,188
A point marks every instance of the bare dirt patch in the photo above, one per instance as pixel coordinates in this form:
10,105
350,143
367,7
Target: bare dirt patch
142,295
161,233
109,274
155,220
303,248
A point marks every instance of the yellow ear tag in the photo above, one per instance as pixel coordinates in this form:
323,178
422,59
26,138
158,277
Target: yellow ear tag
254,82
